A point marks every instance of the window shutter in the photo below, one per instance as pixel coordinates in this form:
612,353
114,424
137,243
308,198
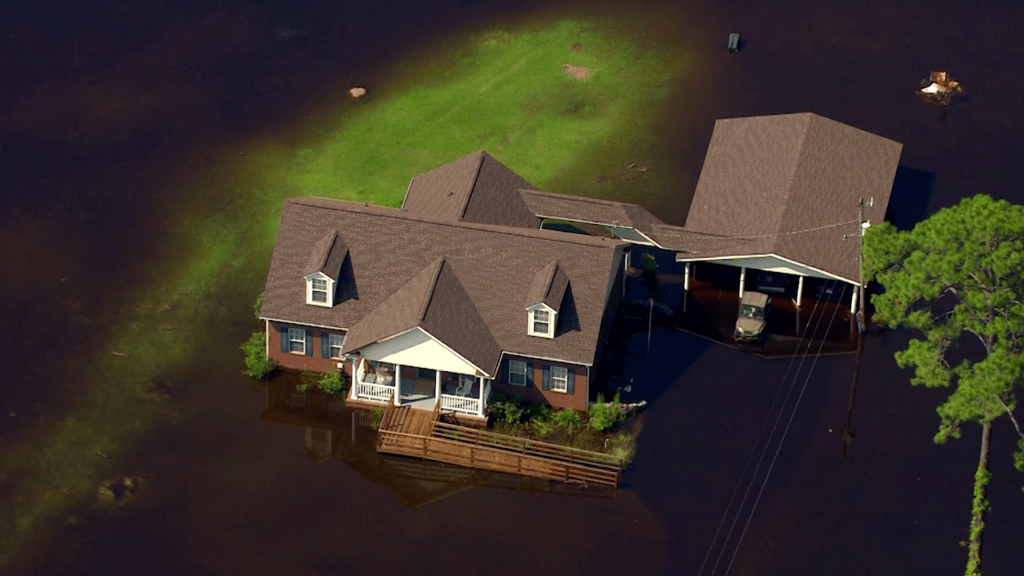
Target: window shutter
325,345
507,369
309,342
529,374
545,377
570,384
283,333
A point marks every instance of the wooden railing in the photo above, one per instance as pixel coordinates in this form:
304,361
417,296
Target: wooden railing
526,462
378,392
526,446
465,404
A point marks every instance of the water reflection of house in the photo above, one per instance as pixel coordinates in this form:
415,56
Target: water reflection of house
348,436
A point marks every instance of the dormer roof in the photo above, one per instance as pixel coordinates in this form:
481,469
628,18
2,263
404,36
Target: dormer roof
327,255
548,286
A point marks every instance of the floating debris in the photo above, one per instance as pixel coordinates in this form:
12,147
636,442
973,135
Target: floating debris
357,91
167,327
121,354
940,89
165,308
119,490
577,46
287,33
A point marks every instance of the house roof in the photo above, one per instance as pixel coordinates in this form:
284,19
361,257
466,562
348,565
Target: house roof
434,300
789,185
327,255
583,209
468,269
548,286
474,188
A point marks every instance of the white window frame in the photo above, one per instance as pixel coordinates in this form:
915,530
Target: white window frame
517,368
335,341
296,335
329,289
533,319
318,287
560,383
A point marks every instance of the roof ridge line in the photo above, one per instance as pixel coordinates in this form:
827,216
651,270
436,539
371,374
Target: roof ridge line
472,188
403,215
421,315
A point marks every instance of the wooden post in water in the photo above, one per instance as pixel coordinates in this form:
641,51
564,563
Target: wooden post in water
853,395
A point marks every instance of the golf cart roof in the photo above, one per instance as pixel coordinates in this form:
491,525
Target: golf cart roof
755,299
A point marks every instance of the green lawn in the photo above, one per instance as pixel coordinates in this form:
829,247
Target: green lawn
501,90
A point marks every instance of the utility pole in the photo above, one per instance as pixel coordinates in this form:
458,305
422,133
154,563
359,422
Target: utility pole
861,318
847,433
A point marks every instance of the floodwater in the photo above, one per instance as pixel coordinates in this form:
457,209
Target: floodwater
102,104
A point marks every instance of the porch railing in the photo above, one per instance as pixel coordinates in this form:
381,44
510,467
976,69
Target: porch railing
465,404
378,392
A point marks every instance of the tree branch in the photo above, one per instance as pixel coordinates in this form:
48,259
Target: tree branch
1008,411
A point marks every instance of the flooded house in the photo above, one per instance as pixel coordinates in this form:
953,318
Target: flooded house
435,304
481,282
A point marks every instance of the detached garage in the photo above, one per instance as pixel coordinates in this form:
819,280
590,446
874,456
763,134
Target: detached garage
782,195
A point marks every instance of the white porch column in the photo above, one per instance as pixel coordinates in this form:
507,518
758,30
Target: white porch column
398,384
357,375
686,277
743,279
799,290
437,385
853,303
480,409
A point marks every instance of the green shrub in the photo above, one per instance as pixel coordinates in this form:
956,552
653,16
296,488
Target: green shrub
602,416
333,382
309,380
259,304
376,415
257,365
542,419
507,409
649,264
569,420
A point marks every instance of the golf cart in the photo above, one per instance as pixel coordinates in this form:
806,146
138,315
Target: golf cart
753,310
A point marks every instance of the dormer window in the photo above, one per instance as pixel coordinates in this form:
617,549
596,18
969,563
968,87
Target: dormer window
325,262
319,289
541,321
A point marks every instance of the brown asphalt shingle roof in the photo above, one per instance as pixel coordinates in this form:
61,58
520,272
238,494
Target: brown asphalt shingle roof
583,209
474,188
548,286
436,301
327,255
391,251
789,185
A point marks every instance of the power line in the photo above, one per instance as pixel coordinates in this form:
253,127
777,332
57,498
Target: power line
753,451
781,440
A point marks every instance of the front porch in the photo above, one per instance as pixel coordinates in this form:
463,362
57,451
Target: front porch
420,388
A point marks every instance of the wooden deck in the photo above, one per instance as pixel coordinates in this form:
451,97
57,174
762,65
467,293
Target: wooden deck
420,433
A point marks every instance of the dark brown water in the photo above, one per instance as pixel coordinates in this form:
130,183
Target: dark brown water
102,104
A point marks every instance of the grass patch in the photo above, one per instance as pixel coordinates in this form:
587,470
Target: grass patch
503,91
